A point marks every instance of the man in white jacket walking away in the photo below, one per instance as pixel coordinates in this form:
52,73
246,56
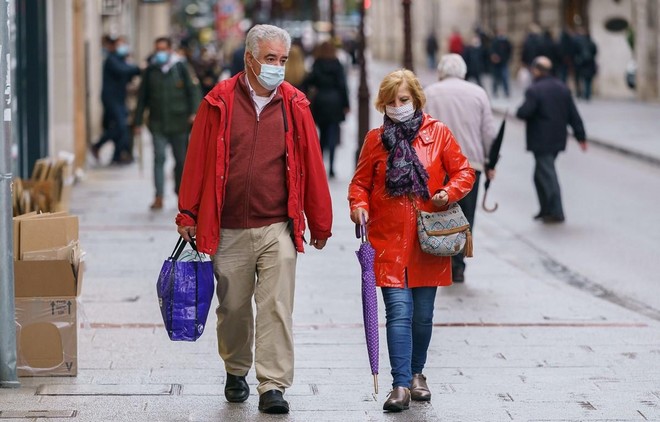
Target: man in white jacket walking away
464,107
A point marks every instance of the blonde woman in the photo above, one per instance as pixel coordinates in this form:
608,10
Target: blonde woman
295,72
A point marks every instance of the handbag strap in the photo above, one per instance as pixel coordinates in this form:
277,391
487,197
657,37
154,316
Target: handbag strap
449,205
180,246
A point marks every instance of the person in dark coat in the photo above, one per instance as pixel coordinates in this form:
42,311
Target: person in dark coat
431,50
566,54
473,55
117,73
548,109
171,95
500,54
585,63
532,45
326,87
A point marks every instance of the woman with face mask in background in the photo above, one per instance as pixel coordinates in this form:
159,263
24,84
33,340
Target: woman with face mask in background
411,161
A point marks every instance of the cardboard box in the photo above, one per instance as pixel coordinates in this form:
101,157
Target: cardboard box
46,336
17,232
46,293
47,231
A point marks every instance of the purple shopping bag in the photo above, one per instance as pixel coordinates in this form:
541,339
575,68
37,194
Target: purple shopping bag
185,290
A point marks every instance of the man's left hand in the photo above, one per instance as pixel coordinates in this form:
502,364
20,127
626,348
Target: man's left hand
490,174
318,243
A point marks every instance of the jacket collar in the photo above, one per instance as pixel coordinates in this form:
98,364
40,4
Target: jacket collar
426,131
225,89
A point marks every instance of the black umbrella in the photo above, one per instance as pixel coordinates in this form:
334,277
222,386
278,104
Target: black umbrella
493,156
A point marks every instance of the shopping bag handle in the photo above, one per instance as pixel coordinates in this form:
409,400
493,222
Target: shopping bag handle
180,245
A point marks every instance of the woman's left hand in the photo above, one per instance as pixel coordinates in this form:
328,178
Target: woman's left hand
440,199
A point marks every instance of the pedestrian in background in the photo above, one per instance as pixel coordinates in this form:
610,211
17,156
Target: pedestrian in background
207,67
474,59
117,73
248,211
585,63
295,71
431,50
531,49
411,158
455,43
566,49
548,109
500,55
171,95
328,91
532,45
465,109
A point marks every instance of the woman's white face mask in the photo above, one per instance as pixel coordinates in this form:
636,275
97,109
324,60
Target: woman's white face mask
402,113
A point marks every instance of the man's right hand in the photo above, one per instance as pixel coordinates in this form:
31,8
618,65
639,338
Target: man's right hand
137,130
187,232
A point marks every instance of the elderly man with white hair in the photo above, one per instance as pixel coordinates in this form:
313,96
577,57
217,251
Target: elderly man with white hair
464,107
253,180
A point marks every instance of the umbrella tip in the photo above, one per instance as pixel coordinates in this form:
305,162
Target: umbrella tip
376,383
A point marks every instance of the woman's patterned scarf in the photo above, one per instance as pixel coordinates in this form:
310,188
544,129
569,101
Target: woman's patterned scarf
405,173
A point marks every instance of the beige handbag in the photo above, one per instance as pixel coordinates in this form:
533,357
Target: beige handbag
444,233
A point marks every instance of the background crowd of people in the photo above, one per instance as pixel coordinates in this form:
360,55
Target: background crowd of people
572,53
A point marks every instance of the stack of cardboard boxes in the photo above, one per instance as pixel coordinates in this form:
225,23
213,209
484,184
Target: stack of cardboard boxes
48,189
47,282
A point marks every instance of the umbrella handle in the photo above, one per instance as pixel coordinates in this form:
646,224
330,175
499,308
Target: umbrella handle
483,203
361,230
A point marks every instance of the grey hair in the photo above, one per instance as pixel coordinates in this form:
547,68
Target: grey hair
260,33
452,65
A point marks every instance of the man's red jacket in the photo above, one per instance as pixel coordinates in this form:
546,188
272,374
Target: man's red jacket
207,166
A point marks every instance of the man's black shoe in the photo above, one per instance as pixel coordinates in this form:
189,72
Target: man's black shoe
237,389
552,219
272,402
539,216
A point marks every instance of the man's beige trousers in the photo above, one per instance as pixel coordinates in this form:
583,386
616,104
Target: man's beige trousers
259,263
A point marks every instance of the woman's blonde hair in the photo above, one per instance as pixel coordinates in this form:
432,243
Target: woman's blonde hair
390,85
294,70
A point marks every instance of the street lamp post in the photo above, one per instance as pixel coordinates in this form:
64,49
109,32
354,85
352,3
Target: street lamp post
407,36
363,89
8,375
332,19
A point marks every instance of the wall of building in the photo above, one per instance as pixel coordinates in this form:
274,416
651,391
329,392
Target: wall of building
614,54
646,22
60,77
93,68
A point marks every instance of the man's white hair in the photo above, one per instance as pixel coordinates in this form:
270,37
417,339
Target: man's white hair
452,65
261,33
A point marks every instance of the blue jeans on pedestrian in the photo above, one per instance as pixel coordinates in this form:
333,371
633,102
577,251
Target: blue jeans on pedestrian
409,314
